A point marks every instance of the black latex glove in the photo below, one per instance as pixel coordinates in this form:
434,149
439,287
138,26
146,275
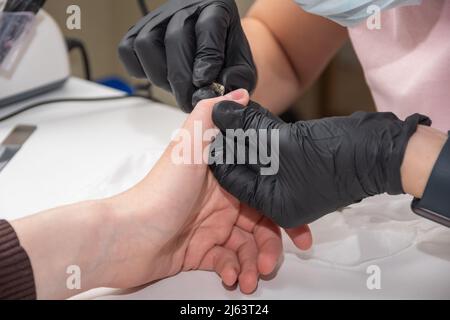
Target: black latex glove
186,45
324,164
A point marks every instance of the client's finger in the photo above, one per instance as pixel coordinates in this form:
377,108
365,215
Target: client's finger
270,246
224,262
267,236
248,218
203,110
301,236
244,244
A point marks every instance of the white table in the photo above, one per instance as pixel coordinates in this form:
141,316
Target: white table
78,147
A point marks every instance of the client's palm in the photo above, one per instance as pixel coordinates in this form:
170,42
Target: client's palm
225,237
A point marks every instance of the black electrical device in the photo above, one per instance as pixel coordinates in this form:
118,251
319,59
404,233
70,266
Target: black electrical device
435,202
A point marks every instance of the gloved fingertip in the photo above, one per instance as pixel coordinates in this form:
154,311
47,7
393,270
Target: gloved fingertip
185,107
228,115
202,94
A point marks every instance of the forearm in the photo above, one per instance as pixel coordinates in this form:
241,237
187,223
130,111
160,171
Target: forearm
275,73
63,237
421,154
290,47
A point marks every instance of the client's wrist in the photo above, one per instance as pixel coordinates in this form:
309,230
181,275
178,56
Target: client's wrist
421,153
133,240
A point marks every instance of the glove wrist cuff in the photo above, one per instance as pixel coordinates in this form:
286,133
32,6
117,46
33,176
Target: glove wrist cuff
394,181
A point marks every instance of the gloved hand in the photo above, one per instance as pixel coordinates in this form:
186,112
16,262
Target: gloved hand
186,45
324,164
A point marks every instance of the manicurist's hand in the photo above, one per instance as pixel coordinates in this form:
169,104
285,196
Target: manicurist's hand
186,45
176,219
323,165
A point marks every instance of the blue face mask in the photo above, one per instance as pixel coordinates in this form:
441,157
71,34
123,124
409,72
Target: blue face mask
349,12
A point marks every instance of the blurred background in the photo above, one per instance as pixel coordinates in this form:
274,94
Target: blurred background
341,89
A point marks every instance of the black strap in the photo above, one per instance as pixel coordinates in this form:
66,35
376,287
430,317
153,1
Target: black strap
436,197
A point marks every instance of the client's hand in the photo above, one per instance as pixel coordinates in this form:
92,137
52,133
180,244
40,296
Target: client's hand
181,215
177,218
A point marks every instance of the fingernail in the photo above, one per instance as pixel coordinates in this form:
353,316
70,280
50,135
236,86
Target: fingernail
236,94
